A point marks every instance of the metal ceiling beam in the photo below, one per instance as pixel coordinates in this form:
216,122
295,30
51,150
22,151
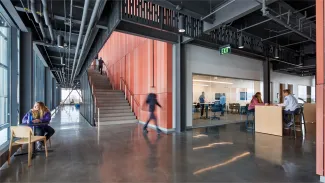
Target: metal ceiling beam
62,18
233,11
274,18
73,47
218,9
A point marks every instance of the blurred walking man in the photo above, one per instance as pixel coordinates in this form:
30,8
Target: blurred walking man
152,102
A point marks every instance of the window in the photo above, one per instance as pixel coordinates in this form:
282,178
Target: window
302,93
313,94
4,79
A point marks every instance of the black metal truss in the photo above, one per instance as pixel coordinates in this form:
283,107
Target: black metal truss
151,15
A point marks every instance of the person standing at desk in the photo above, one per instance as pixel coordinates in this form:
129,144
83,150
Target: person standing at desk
202,101
290,105
223,104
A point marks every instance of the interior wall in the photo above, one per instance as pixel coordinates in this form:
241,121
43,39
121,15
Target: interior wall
143,63
206,61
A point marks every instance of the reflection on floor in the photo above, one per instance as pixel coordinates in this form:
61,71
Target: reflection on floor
228,118
122,153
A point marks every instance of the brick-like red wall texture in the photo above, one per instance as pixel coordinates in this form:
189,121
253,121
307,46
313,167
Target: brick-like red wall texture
142,63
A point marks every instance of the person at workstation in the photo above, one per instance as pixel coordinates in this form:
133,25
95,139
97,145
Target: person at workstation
256,100
202,101
223,104
40,114
290,106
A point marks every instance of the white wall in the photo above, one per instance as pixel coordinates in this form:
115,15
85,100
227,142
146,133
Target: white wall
206,61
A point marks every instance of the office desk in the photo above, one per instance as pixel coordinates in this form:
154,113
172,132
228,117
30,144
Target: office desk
268,119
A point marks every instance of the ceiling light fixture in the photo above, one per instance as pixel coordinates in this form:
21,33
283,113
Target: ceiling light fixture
181,23
60,41
62,60
199,85
219,82
276,53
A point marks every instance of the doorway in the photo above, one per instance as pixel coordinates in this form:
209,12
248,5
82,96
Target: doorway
282,87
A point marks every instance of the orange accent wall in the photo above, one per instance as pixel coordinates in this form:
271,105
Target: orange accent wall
320,109
142,63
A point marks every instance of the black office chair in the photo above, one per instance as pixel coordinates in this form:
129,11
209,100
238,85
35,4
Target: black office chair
216,108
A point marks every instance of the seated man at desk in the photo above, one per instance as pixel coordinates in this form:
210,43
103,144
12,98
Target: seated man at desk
290,105
40,114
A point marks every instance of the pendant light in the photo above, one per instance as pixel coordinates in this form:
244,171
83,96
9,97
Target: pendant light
241,41
181,23
60,41
276,53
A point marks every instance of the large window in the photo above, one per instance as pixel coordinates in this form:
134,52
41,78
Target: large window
4,79
70,98
237,93
39,79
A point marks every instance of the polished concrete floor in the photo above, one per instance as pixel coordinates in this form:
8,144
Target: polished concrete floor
225,153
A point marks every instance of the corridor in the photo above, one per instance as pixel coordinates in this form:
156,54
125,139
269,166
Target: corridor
123,153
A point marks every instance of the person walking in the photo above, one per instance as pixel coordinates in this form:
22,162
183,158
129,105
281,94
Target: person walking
100,65
152,102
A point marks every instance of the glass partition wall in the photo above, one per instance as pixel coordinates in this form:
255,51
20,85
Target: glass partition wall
237,93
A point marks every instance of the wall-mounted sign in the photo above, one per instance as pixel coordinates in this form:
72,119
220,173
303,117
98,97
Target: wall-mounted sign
225,49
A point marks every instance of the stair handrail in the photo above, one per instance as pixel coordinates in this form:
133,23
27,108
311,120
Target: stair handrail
132,97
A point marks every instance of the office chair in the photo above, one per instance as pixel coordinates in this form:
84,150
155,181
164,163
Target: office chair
216,108
299,112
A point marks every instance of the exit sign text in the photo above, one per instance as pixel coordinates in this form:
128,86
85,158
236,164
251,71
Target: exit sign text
225,49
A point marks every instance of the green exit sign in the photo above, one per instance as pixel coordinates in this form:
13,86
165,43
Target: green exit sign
225,49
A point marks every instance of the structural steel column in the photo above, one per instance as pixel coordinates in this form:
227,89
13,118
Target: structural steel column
14,78
320,78
177,117
266,80
26,73
180,86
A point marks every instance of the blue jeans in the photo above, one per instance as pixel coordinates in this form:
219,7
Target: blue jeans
287,115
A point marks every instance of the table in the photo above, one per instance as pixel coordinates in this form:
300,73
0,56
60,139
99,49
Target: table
35,152
268,119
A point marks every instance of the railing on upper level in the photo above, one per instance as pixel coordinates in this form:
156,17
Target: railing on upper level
151,14
129,95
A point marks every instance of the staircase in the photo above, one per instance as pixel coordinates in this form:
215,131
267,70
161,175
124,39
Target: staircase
113,108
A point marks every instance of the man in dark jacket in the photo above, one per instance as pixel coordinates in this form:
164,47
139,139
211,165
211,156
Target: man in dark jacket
152,102
100,65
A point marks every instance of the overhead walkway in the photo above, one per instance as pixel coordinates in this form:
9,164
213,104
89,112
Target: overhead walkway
122,153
